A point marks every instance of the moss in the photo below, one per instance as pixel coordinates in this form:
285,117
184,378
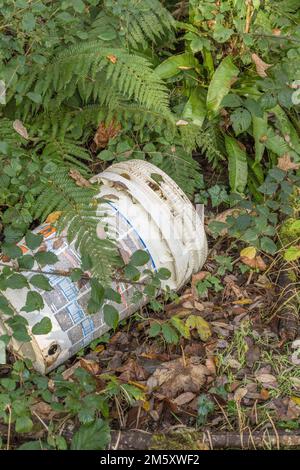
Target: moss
290,231
179,440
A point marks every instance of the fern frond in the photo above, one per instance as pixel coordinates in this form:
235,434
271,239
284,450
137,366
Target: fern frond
140,21
102,74
210,142
80,218
180,166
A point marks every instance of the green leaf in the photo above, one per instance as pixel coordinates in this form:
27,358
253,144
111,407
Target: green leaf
11,250
34,301
113,295
163,274
237,164
169,333
181,327
154,329
131,272
26,262
95,436
292,253
97,296
43,327
111,316
35,97
23,424
16,281
195,108
28,22
268,245
20,333
33,240
41,282
220,84
241,120
46,257
176,64
139,258
260,129
106,155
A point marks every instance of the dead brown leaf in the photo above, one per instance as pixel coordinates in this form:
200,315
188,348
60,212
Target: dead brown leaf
260,65
178,376
184,398
105,133
79,179
112,58
20,129
254,263
285,163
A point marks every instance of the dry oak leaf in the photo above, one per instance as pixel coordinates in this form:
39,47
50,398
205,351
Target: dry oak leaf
260,65
178,376
285,163
79,179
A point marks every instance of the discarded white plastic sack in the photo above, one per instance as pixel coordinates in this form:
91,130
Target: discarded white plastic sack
146,210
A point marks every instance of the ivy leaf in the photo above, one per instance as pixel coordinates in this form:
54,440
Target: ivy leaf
20,333
41,282
43,327
34,301
241,120
33,240
111,316
95,436
46,257
139,258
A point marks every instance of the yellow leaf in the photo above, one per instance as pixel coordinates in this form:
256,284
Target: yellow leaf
201,325
53,217
296,400
249,252
146,405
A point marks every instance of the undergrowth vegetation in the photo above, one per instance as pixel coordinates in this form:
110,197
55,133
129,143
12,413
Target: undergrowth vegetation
208,91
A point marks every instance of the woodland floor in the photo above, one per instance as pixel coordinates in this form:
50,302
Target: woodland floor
246,374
